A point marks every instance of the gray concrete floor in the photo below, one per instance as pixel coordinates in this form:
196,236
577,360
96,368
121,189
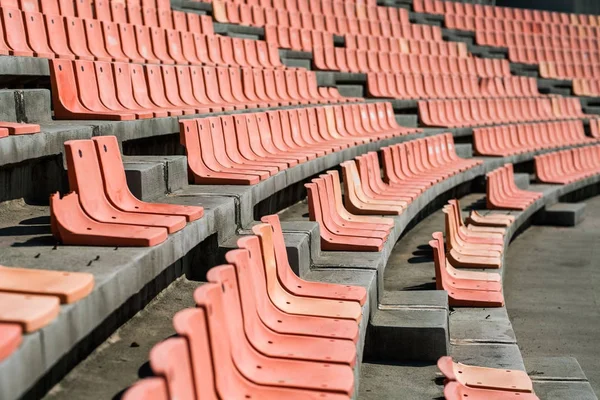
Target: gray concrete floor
552,291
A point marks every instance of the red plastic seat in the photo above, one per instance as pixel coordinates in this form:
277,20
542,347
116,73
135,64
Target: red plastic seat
148,389
170,360
457,391
30,312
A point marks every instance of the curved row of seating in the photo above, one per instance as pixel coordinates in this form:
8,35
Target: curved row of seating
503,194
409,168
477,112
433,86
120,91
244,149
508,140
259,331
568,166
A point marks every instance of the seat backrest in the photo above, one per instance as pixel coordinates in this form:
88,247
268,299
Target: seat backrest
171,360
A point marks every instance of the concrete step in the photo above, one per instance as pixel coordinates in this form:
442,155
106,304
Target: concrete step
558,378
149,177
351,90
522,180
408,120
464,150
296,63
562,214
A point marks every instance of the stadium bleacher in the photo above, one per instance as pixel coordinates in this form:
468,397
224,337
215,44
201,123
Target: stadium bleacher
275,152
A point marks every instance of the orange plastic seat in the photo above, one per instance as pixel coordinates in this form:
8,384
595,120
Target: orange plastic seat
267,342
457,391
117,191
85,178
213,366
253,284
29,311
67,286
485,378
170,359
11,336
19,128
148,389
290,303
72,226
461,296
268,371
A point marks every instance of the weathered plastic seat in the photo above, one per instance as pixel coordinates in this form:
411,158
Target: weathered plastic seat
267,342
469,236
290,303
117,191
457,391
11,336
85,178
455,243
485,378
31,312
71,225
282,373
498,232
170,360
19,128
212,363
464,274
466,295
69,287
301,287
148,389
253,282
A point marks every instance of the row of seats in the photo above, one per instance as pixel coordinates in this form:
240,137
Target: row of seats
502,141
407,31
120,91
505,39
100,210
568,166
138,12
341,230
477,112
410,168
259,331
365,61
243,14
508,13
297,39
568,70
503,194
425,86
30,299
246,148
17,128
482,24
534,55
586,87
480,383
349,9
50,36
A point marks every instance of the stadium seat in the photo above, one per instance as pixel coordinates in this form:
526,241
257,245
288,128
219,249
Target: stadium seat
170,360
18,128
304,288
148,389
72,226
462,297
31,312
474,228
269,343
485,378
253,284
502,193
69,287
456,391
280,373
470,235
11,336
